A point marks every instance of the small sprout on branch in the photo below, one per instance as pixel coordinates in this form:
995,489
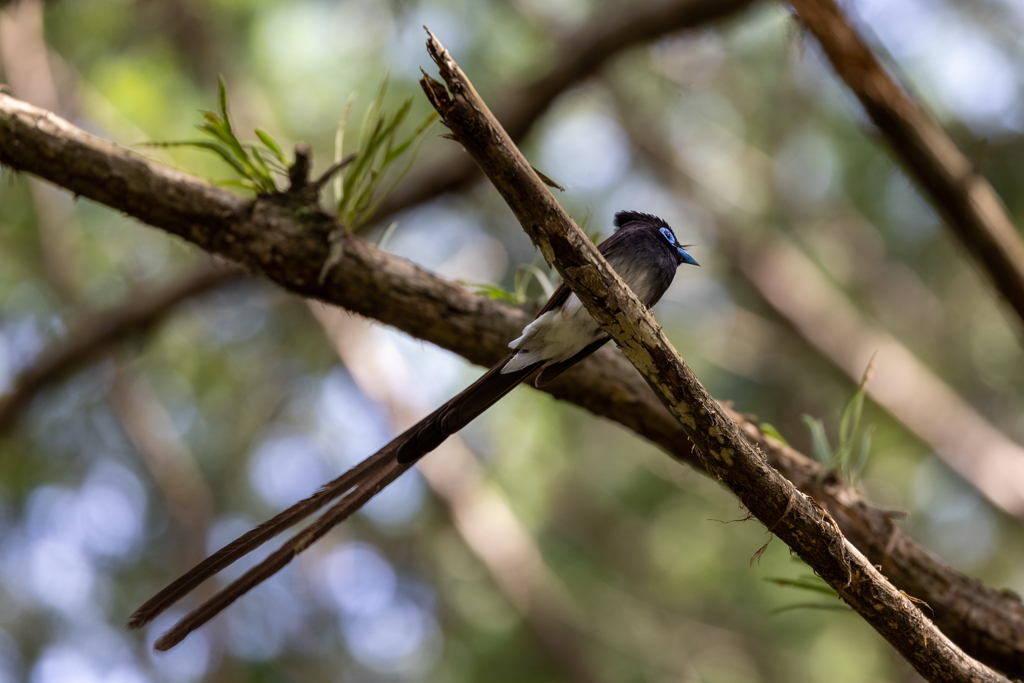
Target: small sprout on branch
256,163
772,431
853,439
357,189
492,292
519,294
357,184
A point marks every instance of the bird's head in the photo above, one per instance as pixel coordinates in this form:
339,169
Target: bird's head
655,224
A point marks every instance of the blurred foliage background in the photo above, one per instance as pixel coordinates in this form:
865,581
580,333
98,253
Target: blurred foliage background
237,403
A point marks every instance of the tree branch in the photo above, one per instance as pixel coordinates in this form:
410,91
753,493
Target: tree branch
579,56
85,342
971,207
392,290
727,455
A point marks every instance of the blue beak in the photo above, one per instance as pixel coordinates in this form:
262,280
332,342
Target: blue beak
687,258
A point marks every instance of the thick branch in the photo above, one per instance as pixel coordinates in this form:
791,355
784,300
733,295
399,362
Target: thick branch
579,56
971,207
396,292
727,455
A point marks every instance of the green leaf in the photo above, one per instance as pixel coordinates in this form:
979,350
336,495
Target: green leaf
339,144
771,431
385,236
398,150
819,441
266,178
492,292
400,176
257,170
542,279
357,176
220,150
222,96
849,424
374,110
862,459
244,184
814,605
272,145
814,584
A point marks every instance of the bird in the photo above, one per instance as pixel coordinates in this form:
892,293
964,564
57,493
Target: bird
645,253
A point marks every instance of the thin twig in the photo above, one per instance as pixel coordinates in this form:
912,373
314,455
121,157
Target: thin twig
332,169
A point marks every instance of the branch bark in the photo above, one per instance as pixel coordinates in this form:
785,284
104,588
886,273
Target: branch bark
291,248
971,207
726,454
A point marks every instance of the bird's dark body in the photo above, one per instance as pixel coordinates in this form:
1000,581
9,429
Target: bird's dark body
643,251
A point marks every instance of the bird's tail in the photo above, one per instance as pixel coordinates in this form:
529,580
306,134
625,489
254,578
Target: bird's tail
355,488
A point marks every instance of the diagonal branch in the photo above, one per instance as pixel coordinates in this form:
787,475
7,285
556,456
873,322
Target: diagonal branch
390,289
726,454
84,343
579,56
971,207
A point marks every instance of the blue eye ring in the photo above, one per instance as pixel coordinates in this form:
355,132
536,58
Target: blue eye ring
669,236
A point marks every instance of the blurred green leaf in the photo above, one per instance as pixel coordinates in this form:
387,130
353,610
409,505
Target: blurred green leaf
852,438
814,605
358,188
771,431
522,282
272,145
811,584
820,447
245,159
386,234
493,292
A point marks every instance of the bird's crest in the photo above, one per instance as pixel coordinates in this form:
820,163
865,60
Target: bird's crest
623,218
